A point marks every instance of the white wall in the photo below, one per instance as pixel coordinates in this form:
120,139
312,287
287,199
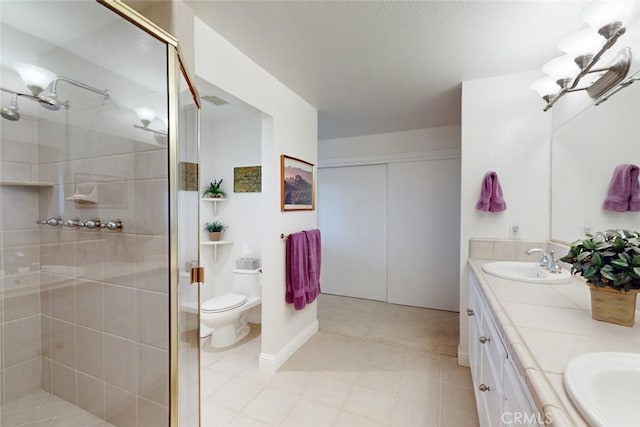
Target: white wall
224,146
417,216
291,129
503,129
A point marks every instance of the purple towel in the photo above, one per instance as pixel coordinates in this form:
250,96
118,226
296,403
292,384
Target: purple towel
624,190
491,199
297,271
313,244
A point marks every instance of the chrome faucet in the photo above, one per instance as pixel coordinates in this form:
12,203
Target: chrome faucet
547,260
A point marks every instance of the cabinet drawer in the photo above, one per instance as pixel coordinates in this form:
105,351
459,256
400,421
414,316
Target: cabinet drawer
475,301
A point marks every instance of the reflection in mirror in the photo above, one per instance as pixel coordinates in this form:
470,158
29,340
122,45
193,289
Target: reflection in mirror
585,153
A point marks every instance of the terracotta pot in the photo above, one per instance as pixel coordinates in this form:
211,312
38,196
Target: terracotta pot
612,306
214,236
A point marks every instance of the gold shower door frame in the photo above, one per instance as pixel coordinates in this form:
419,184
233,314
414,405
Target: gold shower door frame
175,67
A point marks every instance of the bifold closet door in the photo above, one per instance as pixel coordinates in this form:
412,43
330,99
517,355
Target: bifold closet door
423,233
352,215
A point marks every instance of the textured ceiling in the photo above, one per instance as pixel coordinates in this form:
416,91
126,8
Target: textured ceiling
373,67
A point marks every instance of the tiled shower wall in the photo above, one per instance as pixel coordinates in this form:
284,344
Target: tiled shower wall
84,313
20,355
104,299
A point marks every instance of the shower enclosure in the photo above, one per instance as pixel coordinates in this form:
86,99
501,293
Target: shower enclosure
99,141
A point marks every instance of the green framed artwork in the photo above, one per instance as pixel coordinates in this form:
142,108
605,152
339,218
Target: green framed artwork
247,179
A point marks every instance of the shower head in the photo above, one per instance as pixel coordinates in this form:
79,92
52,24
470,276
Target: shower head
11,112
50,101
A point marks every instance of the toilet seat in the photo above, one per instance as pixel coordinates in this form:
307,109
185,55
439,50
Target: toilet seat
224,302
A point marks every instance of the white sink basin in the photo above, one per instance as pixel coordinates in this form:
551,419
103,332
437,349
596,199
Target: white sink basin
605,388
529,272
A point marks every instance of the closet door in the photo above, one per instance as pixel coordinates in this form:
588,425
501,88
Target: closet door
352,206
424,230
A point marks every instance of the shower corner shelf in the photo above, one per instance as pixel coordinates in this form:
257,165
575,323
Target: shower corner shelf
32,184
215,245
215,201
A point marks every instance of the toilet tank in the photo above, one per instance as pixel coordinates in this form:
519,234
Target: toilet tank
247,282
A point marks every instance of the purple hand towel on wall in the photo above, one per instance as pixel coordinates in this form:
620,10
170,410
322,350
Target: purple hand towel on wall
314,262
624,190
297,270
491,199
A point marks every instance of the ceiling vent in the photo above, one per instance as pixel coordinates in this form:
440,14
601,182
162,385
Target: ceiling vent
214,100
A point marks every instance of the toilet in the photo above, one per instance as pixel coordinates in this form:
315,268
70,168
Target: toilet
227,314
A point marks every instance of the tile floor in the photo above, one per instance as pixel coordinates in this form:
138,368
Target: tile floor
336,380
42,409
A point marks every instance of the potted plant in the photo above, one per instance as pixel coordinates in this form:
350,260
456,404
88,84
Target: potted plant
214,228
214,190
610,263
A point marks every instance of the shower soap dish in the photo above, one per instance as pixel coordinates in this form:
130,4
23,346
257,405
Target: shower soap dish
85,193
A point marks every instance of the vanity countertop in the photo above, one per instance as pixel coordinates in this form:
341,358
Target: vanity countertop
544,327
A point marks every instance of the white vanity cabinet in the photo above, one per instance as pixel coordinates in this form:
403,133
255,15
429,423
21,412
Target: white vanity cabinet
501,397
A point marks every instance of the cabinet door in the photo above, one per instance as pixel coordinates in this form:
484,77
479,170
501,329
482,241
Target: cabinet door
490,391
517,406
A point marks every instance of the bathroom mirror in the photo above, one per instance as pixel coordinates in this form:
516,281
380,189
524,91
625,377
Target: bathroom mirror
585,151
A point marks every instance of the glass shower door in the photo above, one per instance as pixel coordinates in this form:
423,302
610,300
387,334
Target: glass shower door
188,393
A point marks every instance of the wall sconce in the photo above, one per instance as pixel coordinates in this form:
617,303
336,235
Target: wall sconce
37,79
146,116
583,51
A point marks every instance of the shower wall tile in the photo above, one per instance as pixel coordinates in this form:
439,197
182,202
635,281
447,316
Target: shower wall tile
151,164
15,171
21,340
89,257
63,343
19,208
23,131
151,207
153,319
121,362
63,298
20,238
24,379
45,336
120,407
151,414
90,351
20,260
120,259
152,252
63,382
91,395
153,365
90,304
120,311
45,380
21,302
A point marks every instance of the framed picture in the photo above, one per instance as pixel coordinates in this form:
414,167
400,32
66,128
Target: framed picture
297,184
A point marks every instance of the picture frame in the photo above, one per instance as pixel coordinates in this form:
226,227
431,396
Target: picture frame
297,184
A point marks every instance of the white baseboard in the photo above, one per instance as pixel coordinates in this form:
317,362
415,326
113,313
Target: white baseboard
270,363
463,359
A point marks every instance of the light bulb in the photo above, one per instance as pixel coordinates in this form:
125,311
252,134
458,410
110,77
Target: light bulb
608,16
36,78
561,69
546,87
582,46
145,115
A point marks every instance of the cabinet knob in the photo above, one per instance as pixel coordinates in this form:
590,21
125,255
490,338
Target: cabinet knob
483,387
470,312
484,339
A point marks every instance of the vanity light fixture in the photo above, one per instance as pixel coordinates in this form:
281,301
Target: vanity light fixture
584,50
146,116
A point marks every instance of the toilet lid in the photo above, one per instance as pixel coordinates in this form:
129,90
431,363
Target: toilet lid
223,303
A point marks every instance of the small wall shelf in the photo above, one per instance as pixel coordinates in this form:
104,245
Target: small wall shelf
215,202
25,184
215,245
